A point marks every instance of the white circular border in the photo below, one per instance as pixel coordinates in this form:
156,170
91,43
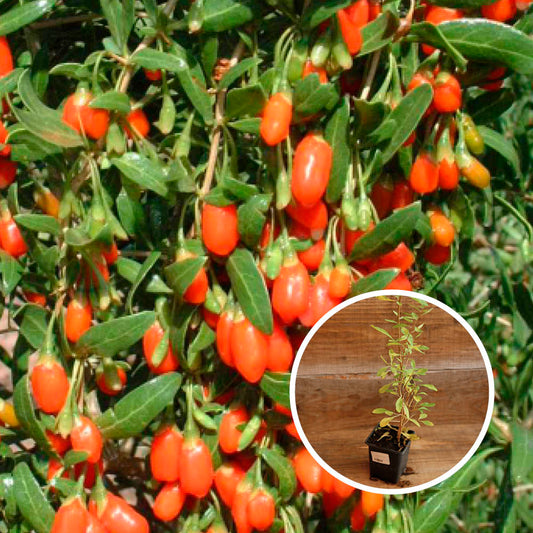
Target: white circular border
365,296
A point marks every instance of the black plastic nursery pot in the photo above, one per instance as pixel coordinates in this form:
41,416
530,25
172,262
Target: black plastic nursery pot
386,461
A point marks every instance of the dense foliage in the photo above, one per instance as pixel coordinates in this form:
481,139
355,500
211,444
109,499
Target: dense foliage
188,187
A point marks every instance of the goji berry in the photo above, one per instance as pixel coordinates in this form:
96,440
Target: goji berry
49,384
80,117
220,231
224,327
357,518
196,467
117,516
277,117
249,349
6,150
400,283
437,254
280,352
151,340
71,517
309,68
153,75
261,510
424,176
359,12
320,301
137,123
169,502
442,228
11,239
501,10
86,437
239,507
371,503
165,454
381,196
314,217
35,298
402,194
228,434
401,257
290,292
227,477
340,281
308,471
350,32
78,318
102,385
447,96
6,57
94,525
58,443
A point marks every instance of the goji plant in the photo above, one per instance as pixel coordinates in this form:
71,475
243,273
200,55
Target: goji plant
187,188
401,365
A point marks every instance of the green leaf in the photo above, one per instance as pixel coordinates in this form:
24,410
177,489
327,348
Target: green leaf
11,272
43,223
375,281
429,32
487,41
521,453
235,72
22,15
250,289
197,94
319,10
142,171
181,274
368,116
251,217
387,234
149,262
378,33
311,96
462,213
154,60
120,18
136,410
223,15
112,100
276,386
407,115
205,338
73,457
109,338
336,134
503,146
34,324
9,82
249,100
490,105
283,469
23,404
246,125
31,501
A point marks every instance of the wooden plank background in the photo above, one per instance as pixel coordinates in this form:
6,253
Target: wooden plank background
337,389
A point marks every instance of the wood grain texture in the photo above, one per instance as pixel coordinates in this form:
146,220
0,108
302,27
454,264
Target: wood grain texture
337,389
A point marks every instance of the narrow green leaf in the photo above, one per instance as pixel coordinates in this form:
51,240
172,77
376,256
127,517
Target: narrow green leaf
149,262
521,453
181,274
142,171
34,324
407,115
320,10
112,100
235,72
378,33
43,223
387,234
250,289
503,146
223,15
336,134
136,410
375,281
11,272
276,386
283,469
31,501
109,338
24,14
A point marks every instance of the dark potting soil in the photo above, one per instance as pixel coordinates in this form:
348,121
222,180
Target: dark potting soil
390,441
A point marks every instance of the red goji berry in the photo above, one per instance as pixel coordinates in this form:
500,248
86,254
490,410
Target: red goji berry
277,117
71,517
6,57
320,301
220,231
437,254
11,239
151,340
308,471
371,503
78,318
117,516
165,454
424,176
280,352
86,437
261,510
447,96
290,291
137,123
80,117
501,10
402,195
169,502
351,33
49,384
249,349
228,434
196,467
224,327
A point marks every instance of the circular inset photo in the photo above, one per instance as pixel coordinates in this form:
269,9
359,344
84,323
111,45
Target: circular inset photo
392,392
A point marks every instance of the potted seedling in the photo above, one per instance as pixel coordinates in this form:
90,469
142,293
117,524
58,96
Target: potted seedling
389,442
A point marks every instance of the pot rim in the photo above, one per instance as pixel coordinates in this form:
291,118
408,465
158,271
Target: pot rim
384,449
